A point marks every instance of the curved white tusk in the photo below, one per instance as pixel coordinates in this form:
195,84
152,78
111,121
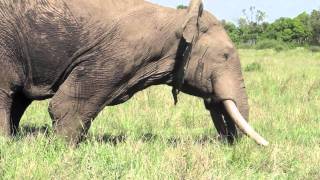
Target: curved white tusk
238,119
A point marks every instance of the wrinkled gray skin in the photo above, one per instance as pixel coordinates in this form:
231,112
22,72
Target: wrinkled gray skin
86,55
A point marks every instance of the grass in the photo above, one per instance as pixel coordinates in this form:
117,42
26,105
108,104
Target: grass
150,138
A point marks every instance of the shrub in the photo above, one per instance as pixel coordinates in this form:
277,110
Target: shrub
253,67
244,46
314,48
280,47
272,44
181,6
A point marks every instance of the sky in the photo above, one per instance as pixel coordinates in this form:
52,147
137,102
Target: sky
231,10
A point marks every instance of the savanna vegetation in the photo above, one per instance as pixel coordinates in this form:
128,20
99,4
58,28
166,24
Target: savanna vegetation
252,30
150,138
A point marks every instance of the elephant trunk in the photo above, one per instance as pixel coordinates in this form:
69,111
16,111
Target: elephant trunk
242,123
230,110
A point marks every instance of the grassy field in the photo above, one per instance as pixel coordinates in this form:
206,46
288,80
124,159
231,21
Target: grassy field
150,138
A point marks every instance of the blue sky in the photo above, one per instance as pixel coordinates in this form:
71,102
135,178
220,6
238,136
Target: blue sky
231,10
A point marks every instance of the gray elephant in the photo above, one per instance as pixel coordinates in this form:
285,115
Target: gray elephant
87,55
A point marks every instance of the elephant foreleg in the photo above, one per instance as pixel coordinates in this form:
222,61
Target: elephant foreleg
76,103
5,119
69,119
12,103
19,105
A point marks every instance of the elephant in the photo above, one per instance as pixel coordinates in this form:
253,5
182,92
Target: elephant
88,55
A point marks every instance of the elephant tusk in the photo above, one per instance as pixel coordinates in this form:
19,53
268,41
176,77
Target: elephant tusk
243,125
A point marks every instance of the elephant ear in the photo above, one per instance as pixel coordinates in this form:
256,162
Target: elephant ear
191,25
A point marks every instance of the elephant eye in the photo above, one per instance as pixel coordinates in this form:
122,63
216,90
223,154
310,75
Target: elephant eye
226,56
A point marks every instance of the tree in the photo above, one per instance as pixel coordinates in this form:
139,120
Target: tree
260,16
181,6
251,25
254,17
315,26
232,30
304,19
288,30
303,29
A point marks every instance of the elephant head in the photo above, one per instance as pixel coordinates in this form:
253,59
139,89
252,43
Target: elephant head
209,67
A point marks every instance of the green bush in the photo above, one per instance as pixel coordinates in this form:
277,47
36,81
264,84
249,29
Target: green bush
181,6
314,48
281,47
253,67
271,44
244,46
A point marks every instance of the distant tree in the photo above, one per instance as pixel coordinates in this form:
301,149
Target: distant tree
288,30
304,19
260,16
251,28
315,26
232,30
252,25
181,6
254,16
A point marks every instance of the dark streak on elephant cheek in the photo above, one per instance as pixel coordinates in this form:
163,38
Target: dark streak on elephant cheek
200,70
199,73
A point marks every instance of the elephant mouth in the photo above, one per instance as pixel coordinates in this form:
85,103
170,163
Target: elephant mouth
222,121
235,115
227,119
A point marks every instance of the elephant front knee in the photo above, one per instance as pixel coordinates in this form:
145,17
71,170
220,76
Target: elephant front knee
68,123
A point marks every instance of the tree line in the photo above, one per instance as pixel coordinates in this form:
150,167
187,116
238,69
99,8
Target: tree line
304,29
252,28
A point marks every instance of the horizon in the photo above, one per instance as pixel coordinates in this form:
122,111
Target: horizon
231,11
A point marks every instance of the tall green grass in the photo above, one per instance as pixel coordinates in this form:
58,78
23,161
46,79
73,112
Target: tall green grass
150,138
